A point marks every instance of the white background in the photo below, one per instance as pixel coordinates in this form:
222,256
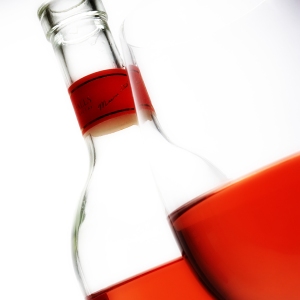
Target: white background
43,158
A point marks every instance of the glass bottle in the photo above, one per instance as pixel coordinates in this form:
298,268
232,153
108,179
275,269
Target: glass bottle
184,179
123,246
242,238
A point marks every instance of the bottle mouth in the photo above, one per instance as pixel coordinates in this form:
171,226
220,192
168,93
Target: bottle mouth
56,14
60,7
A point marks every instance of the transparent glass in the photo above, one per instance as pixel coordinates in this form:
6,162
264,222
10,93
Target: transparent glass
223,78
123,245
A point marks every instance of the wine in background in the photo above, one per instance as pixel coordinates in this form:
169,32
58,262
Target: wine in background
174,280
243,240
241,235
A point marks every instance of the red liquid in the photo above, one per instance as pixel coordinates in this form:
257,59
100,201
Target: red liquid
244,240
173,281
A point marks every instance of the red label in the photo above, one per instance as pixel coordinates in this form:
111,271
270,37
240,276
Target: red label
140,93
101,96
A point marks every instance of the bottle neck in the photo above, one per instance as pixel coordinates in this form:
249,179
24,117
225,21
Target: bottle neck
97,82
85,47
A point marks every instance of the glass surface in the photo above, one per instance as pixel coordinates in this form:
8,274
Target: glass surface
223,78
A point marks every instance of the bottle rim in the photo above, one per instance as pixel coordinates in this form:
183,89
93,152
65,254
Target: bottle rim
55,14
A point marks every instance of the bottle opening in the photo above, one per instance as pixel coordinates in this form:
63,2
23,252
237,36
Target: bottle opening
57,14
65,6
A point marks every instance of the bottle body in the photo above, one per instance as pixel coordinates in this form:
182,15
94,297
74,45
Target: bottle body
123,245
230,230
265,205
240,235
120,230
